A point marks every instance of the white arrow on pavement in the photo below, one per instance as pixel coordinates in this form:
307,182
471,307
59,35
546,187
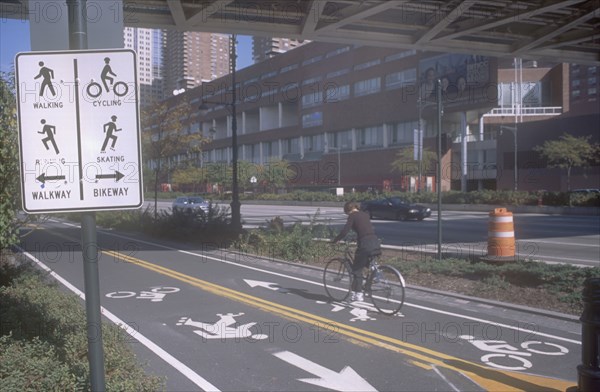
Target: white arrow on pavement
346,380
266,285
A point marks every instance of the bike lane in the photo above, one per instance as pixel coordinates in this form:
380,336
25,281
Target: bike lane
214,290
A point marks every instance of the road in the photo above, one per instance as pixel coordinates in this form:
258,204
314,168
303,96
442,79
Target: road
215,320
549,238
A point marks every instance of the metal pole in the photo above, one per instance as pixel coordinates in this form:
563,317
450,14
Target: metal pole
89,243
339,167
439,169
236,220
420,142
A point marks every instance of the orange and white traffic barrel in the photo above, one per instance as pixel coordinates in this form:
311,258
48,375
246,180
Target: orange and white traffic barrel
501,233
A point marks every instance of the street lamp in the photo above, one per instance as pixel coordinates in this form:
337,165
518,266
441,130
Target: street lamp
236,221
514,132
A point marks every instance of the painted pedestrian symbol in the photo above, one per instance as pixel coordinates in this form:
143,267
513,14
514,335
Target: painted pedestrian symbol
109,129
223,328
49,131
94,89
47,75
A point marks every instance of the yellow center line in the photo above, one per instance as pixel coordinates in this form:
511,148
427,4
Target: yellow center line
488,378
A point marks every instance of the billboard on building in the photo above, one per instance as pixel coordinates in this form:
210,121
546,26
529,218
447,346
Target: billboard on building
467,80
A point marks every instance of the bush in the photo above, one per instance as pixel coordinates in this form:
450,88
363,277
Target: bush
293,243
44,341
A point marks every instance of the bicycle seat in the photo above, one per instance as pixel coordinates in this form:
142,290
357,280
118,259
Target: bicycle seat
375,253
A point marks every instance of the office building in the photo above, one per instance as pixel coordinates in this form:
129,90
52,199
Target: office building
340,114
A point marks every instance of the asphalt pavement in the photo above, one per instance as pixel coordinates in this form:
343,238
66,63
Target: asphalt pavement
211,319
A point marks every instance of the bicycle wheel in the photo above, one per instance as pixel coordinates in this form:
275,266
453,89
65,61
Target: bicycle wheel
337,279
387,289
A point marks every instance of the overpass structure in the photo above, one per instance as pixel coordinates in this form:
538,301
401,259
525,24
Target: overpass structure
555,30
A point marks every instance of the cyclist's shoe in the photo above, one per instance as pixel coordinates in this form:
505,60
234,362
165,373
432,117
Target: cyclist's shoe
357,296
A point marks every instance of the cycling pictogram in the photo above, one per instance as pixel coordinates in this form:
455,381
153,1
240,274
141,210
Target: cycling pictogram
504,356
94,89
156,294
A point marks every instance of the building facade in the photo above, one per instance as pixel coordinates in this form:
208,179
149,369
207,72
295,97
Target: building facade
263,48
149,46
193,57
339,115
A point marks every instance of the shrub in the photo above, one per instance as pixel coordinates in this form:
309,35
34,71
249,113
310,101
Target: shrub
44,341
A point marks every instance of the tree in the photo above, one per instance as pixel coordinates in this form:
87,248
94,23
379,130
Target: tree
167,135
406,165
9,165
568,152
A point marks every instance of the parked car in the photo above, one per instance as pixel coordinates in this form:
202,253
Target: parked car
395,208
190,204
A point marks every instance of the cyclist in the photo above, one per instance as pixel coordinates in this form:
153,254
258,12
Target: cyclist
368,244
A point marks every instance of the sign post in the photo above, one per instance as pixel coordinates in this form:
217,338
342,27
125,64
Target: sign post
79,146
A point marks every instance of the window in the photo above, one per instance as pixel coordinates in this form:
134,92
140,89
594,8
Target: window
401,55
340,72
312,119
335,93
312,99
313,143
402,133
341,140
337,51
291,146
368,86
371,137
401,79
366,65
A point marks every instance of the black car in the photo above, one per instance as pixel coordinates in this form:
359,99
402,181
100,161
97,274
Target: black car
395,208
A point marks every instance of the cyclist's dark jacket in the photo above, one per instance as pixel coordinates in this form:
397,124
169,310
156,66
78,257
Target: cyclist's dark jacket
360,223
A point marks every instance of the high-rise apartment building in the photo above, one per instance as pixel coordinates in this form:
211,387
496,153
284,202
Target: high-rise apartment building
193,57
149,45
264,48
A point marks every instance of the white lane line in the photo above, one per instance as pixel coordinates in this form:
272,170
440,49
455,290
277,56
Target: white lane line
320,284
171,360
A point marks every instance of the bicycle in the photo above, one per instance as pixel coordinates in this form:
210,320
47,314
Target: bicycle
383,283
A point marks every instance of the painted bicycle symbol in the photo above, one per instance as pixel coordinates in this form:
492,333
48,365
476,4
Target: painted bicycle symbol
503,354
156,294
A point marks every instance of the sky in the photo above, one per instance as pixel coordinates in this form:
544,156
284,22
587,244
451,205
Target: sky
14,38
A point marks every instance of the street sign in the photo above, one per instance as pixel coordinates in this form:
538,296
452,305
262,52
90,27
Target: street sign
79,133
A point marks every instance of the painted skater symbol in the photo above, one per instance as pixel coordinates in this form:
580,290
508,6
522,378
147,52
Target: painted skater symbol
109,129
222,329
49,131
47,75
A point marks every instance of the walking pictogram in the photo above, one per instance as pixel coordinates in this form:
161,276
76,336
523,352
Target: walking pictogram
49,131
94,89
109,129
47,75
